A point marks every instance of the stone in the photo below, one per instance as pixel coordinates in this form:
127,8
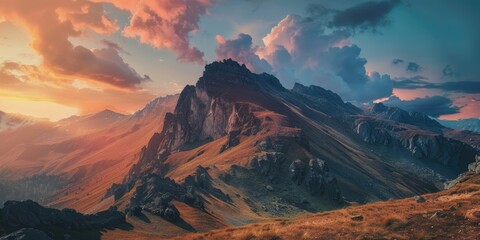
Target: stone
269,188
419,199
357,218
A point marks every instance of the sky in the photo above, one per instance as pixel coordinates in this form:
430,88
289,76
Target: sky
70,57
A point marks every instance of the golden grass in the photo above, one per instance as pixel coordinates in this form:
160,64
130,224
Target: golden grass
395,219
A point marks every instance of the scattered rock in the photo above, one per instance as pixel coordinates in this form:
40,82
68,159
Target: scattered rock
420,199
26,234
269,188
357,218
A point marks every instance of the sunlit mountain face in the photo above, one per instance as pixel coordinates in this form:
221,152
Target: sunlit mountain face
147,119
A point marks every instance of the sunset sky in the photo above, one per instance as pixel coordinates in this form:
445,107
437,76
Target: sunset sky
64,57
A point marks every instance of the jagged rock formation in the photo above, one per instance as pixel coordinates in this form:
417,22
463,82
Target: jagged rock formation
155,193
31,214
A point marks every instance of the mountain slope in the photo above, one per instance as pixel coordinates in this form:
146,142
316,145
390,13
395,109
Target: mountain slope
242,148
449,214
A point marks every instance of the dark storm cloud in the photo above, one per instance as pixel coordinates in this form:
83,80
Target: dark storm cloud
462,86
365,16
397,61
434,106
410,83
413,67
420,82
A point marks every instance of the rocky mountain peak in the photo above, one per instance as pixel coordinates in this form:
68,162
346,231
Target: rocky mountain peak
223,75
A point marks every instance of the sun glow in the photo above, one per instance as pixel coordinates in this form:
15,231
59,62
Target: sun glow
35,107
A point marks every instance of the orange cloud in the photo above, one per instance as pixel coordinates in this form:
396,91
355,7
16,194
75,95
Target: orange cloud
166,24
33,83
52,22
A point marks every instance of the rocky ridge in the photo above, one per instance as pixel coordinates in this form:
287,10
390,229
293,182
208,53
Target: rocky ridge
416,133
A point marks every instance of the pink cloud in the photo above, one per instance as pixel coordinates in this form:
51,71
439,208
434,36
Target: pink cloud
166,24
52,22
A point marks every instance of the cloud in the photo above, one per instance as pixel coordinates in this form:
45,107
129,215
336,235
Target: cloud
113,45
418,82
413,67
397,61
433,106
365,16
303,50
63,19
166,24
34,83
448,71
461,86
241,50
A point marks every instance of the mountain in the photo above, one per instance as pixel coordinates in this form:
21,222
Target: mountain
239,148
78,153
471,124
233,149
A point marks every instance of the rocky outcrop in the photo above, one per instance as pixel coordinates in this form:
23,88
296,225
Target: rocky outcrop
422,144
475,166
473,169
155,193
30,214
26,234
316,177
